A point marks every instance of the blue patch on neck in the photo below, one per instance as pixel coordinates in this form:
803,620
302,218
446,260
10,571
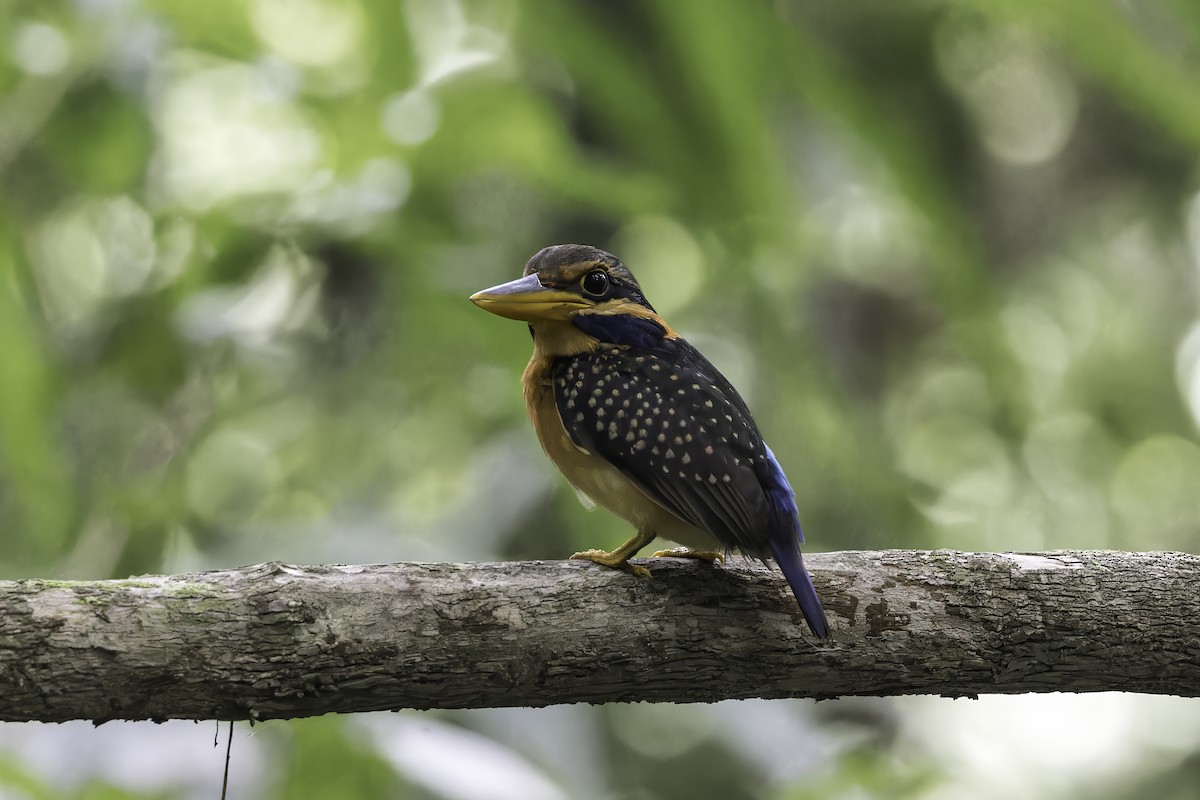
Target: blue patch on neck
621,329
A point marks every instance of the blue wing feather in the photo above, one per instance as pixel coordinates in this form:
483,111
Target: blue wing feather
783,497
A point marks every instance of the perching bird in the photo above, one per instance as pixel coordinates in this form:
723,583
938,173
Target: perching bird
641,423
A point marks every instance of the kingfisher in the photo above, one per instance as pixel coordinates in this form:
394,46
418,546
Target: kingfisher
638,421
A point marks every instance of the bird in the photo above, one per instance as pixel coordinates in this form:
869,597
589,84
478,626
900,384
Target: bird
639,422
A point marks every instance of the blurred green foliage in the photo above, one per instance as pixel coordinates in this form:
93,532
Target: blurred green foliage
948,250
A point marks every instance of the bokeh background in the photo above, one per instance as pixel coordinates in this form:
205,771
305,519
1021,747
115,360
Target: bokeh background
947,249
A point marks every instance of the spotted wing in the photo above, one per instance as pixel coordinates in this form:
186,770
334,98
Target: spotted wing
671,423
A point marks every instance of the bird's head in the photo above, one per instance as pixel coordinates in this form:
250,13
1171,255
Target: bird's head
582,287
562,281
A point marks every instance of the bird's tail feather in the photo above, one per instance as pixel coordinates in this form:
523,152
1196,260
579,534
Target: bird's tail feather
792,564
785,546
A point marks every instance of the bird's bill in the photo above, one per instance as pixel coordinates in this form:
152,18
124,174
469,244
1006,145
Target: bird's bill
526,299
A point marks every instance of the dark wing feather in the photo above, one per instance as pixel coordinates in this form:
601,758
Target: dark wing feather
671,423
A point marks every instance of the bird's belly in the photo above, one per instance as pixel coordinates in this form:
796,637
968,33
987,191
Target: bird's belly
604,484
599,480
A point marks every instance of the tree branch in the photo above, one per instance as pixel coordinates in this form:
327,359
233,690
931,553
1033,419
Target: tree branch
275,641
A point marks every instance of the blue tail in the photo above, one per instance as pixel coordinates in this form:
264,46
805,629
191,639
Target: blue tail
785,547
792,564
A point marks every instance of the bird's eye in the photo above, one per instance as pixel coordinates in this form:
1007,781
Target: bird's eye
595,282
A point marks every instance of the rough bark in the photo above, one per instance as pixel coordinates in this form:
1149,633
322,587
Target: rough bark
274,641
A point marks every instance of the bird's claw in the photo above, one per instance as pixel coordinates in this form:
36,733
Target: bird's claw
612,560
711,556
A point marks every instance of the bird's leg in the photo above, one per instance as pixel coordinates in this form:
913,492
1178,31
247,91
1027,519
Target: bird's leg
619,558
711,556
